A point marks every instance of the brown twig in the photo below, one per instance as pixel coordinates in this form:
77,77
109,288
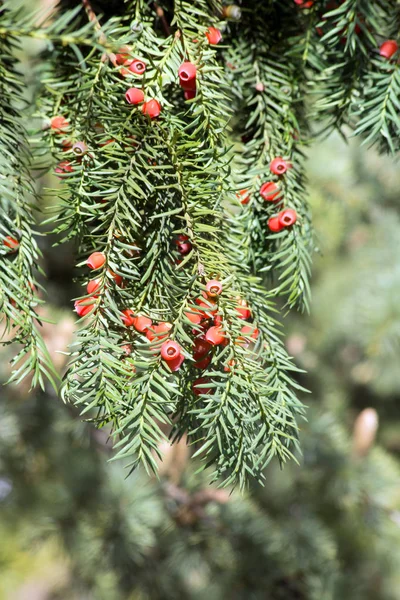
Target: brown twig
160,13
102,38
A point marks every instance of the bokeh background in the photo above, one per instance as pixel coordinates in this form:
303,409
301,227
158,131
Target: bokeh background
74,527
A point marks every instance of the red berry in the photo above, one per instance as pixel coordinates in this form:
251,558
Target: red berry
127,348
270,191
152,108
194,316
128,317
248,332
96,260
117,278
134,96
176,363
218,320
213,288
279,166
93,286
11,243
388,48
66,145
201,348
287,217
170,350
215,335
243,196
242,309
64,167
213,35
137,66
142,324
84,306
274,224
199,386
187,76
203,363
79,148
229,364
123,55
184,248
189,94
157,331
208,307
304,3
59,124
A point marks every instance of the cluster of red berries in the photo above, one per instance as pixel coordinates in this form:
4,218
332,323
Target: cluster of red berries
211,333
95,261
271,192
208,333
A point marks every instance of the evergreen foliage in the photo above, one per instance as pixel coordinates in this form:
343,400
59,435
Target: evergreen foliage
133,184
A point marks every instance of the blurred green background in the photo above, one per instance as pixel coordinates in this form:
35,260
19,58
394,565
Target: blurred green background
73,527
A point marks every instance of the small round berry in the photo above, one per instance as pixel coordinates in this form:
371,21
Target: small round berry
63,167
260,87
93,286
84,306
213,288
152,108
59,124
158,332
388,48
189,94
187,76
213,35
279,166
243,196
79,148
137,66
123,55
66,145
127,348
170,350
142,324
287,217
199,386
96,260
215,336
242,309
194,316
270,191
218,320
176,363
304,3
248,333
11,242
128,317
117,278
134,96
274,224
202,363
201,348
